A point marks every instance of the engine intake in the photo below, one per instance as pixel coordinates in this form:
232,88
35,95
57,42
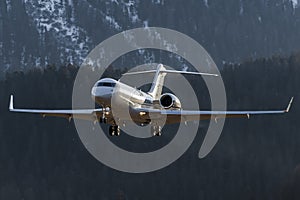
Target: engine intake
169,100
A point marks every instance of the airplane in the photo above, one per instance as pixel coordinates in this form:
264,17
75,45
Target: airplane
142,104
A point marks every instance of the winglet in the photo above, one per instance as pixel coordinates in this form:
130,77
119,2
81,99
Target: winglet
11,103
289,105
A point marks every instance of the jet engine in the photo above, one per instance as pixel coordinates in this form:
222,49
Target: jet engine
169,100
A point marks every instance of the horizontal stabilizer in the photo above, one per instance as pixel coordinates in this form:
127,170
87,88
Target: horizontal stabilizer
170,71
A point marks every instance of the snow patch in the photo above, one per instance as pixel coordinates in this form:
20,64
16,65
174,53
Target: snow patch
8,5
134,18
51,16
1,49
141,51
115,1
259,18
145,24
113,22
131,11
128,9
22,61
241,7
295,3
70,2
161,2
185,68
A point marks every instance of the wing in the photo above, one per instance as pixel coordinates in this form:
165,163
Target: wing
175,116
86,114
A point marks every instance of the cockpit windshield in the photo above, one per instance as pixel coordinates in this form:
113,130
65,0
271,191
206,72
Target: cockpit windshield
106,84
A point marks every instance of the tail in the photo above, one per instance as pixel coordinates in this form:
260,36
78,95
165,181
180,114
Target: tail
158,81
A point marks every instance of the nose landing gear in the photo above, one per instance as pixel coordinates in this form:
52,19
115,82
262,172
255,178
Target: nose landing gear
103,118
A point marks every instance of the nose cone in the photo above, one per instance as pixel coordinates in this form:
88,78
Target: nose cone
102,91
94,92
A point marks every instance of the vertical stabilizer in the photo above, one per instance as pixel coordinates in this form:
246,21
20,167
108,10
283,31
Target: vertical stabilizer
158,82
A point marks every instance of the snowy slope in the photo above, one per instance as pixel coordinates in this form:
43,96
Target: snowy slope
52,17
62,31
42,32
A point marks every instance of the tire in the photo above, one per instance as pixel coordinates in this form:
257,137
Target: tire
111,131
104,120
117,130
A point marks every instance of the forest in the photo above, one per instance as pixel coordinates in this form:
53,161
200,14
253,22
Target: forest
256,158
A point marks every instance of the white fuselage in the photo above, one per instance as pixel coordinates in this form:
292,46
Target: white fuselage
108,91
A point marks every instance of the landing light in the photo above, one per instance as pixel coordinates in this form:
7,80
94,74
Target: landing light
142,113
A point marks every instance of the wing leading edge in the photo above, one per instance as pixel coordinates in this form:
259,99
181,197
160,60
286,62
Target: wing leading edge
174,116
88,114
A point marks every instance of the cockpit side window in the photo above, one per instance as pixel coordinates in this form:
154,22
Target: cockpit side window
106,84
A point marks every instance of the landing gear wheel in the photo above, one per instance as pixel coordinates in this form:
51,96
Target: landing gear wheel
117,130
104,120
158,133
105,112
153,130
156,130
114,130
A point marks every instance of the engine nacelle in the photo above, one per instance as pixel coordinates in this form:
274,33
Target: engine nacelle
169,100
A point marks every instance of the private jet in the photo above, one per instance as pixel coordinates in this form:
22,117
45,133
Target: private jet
142,105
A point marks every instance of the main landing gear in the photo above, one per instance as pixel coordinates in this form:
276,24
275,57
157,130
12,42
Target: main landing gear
103,120
156,130
114,130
